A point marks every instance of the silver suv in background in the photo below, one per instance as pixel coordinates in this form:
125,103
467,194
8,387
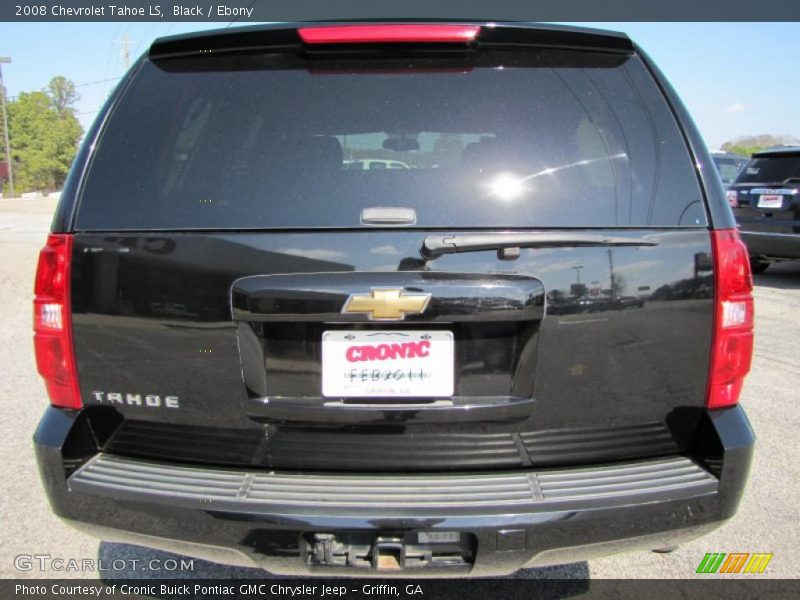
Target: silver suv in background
728,165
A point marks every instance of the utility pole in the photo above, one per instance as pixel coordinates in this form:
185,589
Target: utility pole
6,59
611,279
578,273
125,50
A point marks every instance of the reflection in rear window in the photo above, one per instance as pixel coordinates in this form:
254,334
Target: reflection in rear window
545,139
728,168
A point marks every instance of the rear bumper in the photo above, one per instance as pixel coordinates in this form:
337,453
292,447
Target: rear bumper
772,245
515,519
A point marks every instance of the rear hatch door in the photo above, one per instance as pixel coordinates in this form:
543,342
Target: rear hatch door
532,285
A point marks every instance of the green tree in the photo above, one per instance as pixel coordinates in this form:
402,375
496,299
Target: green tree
44,141
750,144
62,93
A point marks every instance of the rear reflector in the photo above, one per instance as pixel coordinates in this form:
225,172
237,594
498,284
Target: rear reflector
52,323
732,346
389,34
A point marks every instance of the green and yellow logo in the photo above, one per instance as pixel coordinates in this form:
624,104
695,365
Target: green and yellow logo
735,562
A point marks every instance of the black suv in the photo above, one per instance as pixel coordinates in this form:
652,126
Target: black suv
525,347
766,201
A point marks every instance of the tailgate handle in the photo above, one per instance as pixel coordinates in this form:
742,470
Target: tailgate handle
322,297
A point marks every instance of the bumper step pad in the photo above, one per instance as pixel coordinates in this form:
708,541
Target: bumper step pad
263,492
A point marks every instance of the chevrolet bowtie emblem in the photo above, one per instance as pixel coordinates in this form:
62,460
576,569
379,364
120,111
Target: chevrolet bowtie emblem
384,304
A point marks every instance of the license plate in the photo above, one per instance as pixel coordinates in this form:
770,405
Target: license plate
770,201
396,364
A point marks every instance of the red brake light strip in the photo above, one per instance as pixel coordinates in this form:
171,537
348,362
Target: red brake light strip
389,34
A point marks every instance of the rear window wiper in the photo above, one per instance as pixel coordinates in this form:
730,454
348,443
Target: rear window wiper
508,245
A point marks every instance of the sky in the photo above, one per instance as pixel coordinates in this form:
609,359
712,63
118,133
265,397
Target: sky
735,78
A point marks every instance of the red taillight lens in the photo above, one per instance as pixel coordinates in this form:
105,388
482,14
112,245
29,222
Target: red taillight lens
732,346
733,198
388,34
52,323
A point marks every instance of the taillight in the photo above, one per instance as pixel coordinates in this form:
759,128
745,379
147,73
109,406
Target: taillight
733,198
397,33
52,322
732,346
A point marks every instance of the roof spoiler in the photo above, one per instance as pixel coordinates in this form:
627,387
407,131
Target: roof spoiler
286,37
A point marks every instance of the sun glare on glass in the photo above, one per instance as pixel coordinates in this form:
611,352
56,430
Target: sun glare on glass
507,186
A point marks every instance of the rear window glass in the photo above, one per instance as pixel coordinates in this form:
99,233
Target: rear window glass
771,169
728,168
496,139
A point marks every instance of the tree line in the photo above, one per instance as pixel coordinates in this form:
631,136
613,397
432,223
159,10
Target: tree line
750,144
44,134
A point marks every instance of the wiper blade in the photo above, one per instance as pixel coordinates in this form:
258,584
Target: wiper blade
508,244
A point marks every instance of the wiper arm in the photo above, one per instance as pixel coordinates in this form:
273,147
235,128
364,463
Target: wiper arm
509,244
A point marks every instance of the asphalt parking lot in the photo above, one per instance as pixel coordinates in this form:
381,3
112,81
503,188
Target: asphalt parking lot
767,520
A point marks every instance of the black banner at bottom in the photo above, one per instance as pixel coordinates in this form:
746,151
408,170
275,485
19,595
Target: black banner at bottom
365,589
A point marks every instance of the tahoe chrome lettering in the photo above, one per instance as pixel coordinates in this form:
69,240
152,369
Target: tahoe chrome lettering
143,400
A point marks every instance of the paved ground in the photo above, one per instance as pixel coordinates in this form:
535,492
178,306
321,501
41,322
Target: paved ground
767,521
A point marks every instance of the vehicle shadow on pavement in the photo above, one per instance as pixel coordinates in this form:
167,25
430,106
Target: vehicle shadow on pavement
561,581
782,276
